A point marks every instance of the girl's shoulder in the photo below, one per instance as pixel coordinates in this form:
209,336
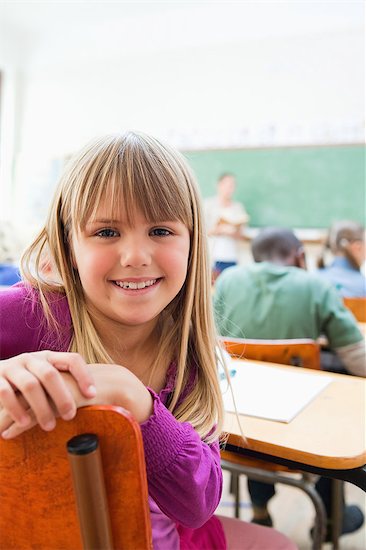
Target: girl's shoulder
23,322
16,300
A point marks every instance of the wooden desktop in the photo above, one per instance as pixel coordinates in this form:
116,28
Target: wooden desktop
327,437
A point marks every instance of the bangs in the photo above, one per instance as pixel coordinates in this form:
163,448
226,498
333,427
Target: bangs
132,173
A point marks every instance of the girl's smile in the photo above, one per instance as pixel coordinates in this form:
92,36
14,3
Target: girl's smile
135,284
138,287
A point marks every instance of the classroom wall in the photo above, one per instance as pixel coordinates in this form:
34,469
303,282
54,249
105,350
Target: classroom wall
251,83
291,89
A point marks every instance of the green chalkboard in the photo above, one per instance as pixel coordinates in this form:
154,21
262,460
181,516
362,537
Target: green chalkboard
306,187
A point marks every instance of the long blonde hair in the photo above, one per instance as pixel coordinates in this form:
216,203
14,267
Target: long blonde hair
139,172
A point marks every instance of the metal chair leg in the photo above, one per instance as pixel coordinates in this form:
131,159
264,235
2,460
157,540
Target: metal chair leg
320,519
235,490
337,511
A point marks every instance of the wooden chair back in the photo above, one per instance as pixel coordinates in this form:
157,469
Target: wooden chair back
357,306
301,352
38,502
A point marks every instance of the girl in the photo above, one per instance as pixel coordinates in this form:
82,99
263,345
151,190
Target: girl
129,285
346,241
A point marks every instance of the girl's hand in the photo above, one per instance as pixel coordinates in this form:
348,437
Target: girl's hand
37,377
115,385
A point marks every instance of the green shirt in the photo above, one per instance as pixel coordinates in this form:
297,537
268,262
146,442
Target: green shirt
265,300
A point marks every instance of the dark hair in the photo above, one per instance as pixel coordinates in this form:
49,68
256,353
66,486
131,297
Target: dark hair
275,244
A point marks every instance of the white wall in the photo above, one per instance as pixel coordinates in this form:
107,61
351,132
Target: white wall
305,88
204,75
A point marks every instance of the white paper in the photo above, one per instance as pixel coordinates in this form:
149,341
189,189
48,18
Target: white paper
269,392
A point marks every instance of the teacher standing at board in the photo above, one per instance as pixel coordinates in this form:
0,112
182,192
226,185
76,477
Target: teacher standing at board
226,220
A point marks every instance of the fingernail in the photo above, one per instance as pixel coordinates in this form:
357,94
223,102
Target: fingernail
69,415
49,426
5,434
92,391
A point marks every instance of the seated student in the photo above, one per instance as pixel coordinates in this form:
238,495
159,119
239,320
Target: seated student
346,241
277,298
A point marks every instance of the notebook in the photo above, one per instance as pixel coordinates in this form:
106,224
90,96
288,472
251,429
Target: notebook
270,392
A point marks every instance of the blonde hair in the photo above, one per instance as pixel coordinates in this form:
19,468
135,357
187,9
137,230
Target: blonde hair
340,236
141,173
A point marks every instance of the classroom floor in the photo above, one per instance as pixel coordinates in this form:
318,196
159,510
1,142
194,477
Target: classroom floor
292,513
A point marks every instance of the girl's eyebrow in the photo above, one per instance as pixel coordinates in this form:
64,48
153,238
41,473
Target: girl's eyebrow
103,220
117,221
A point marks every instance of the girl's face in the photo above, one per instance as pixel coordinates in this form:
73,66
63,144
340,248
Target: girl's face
130,274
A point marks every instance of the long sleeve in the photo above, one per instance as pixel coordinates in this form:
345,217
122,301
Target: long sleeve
354,358
184,473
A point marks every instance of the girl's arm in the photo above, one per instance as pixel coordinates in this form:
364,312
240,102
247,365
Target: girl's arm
184,473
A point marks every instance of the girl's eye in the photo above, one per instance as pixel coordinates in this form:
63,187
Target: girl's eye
160,232
107,233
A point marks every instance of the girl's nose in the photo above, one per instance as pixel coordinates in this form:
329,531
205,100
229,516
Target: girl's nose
135,253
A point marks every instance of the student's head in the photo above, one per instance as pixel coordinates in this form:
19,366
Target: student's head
279,246
226,185
347,238
134,179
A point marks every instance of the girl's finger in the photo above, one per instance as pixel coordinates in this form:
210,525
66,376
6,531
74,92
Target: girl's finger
35,390
11,404
13,430
57,391
75,364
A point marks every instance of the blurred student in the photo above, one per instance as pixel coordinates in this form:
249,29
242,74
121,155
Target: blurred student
276,298
9,254
346,242
225,221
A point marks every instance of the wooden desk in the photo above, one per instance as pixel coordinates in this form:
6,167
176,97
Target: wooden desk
327,437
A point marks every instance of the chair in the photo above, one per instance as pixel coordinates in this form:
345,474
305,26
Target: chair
358,307
298,352
39,506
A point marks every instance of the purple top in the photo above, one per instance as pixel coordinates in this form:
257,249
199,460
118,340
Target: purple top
184,473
